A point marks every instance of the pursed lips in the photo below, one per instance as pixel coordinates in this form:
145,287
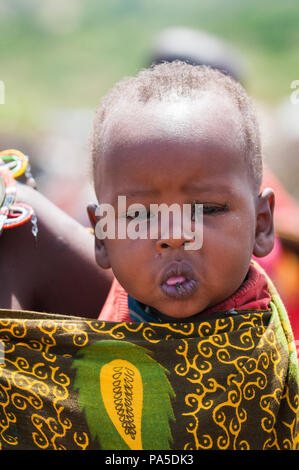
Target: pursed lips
178,281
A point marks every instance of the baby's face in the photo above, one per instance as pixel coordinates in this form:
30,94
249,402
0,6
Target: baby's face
180,153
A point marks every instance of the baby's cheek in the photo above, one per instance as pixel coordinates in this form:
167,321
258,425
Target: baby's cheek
128,260
227,250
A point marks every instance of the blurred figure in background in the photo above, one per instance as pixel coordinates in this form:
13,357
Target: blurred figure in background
282,264
196,48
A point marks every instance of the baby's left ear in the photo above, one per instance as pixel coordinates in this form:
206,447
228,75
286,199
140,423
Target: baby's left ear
264,234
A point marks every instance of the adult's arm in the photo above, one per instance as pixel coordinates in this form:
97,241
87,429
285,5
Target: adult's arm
57,273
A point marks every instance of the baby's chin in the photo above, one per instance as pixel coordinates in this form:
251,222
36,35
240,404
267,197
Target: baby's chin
179,313
170,309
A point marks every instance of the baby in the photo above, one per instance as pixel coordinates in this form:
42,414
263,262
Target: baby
182,134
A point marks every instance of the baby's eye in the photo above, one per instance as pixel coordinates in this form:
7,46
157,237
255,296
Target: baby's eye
210,209
141,214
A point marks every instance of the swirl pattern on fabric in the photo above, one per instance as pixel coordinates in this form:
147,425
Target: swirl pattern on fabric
233,382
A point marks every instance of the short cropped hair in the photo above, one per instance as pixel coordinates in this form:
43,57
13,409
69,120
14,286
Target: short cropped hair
160,82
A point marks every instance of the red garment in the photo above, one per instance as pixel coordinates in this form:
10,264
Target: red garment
253,294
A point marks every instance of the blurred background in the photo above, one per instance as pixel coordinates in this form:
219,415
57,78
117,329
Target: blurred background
57,59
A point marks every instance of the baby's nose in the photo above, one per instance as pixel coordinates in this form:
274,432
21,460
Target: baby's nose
174,243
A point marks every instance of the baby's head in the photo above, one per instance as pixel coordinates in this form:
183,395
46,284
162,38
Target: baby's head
179,134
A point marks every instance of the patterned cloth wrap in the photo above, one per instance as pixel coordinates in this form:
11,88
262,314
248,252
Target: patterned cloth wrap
228,381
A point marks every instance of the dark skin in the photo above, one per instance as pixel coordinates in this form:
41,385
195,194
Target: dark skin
177,153
58,272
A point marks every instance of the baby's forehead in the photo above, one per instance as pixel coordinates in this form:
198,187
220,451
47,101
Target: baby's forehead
168,144
212,118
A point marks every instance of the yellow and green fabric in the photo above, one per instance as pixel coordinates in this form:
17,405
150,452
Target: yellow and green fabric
228,381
